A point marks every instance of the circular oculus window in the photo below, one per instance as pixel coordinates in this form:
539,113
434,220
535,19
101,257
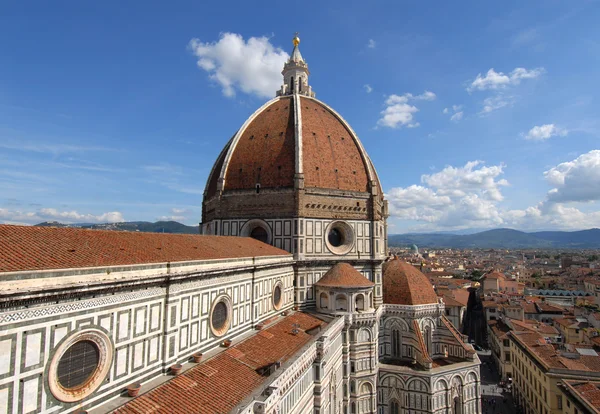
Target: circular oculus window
80,365
277,296
339,237
220,317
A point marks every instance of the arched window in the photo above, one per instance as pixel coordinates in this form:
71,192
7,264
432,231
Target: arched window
396,343
394,407
259,233
359,302
456,406
341,303
292,84
366,389
324,299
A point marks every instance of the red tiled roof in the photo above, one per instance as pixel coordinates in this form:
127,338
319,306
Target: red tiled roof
331,157
421,342
404,284
344,275
450,301
38,248
222,382
588,391
456,335
461,296
265,151
549,356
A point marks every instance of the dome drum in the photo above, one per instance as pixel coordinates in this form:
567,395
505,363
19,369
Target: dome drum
344,289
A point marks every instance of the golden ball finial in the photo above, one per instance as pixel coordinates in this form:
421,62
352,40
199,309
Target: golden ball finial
296,40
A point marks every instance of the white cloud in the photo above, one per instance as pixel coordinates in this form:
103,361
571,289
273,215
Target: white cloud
543,132
456,111
456,197
177,214
473,177
368,88
399,112
551,216
496,102
252,66
497,80
371,44
470,196
52,214
457,116
577,180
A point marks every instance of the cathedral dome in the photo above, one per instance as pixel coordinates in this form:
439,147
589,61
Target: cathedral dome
343,275
404,284
293,137
293,141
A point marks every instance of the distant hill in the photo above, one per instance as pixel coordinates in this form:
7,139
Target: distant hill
143,226
502,239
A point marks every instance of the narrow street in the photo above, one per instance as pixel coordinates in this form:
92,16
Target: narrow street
494,399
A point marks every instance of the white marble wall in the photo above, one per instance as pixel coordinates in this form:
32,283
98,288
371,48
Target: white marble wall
150,328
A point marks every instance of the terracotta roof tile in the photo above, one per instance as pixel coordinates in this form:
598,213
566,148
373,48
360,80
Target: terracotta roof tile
457,335
589,391
264,153
38,248
404,284
421,342
551,357
233,374
450,301
331,157
344,275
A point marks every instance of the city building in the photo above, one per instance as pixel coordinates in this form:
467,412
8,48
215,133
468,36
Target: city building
304,313
539,366
580,397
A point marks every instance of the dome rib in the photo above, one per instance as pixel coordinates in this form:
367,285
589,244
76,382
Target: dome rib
344,275
332,155
215,172
263,150
404,284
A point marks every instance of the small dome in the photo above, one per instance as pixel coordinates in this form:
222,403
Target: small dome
345,276
404,284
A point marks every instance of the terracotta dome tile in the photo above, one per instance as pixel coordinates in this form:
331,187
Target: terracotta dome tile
344,275
404,284
265,152
331,157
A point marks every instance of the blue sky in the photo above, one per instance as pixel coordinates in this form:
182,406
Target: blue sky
476,114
